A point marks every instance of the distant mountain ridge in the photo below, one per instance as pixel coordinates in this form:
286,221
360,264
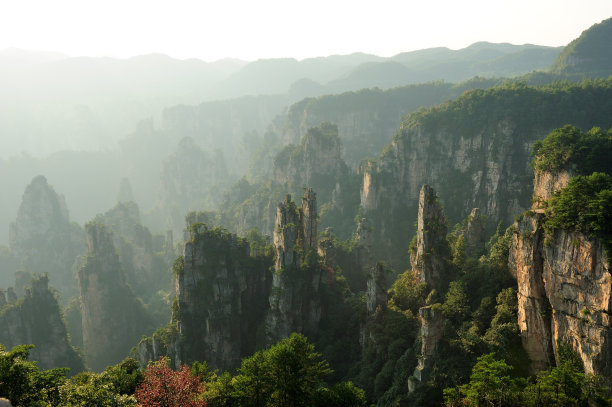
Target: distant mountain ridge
588,55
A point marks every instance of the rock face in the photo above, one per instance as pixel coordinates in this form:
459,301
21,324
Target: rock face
564,293
36,319
546,184
187,178
429,259
295,305
144,267
316,158
376,293
475,234
474,151
221,296
113,319
432,322
42,237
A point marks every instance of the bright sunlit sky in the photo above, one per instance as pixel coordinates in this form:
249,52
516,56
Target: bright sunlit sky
251,29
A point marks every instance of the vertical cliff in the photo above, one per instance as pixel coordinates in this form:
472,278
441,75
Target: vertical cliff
475,151
295,305
42,238
222,288
564,286
564,294
560,251
113,319
221,296
430,256
36,319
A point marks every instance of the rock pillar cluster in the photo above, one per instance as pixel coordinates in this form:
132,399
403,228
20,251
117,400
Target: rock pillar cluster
113,319
294,300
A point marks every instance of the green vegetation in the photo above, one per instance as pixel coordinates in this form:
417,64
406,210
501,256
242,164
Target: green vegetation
571,149
584,205
495,383
584,104
589,55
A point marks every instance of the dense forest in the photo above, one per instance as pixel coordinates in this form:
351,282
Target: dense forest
423,230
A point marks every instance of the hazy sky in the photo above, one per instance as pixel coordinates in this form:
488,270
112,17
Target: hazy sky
251,29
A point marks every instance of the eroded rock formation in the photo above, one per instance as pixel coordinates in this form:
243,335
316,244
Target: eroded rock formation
564,289
221,292
36,319
432,324
113,319
42,237
429,259
294,300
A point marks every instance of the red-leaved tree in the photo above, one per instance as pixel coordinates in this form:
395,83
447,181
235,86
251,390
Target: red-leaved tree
164,387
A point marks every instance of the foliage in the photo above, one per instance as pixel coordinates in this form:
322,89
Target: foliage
571,148
584,205
23,383
164,387
289,373
407,293
493,383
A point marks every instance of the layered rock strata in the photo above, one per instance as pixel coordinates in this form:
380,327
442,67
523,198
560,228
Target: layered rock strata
564,289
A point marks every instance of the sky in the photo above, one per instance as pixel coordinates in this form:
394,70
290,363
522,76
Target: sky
250,30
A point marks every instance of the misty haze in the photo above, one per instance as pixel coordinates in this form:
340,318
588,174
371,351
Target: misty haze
422,226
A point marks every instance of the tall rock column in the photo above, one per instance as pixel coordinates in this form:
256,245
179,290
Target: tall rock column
309,220
430,258
564,288
295,305
113,319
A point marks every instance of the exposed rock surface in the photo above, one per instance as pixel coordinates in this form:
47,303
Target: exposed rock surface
429,259
432,321
144,267
475,234
113,319
376,293
546,183
474,151
564,293
187,179
42,237
221,293
295,305
36,319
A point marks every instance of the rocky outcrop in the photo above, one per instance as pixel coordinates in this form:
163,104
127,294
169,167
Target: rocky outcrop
144,266
316,160
294,300
564,291
42,237
188,177
222,289
475,234
475,151
430,258
221,296
376,292
534,309
113,319
432,324
36,319
546,183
